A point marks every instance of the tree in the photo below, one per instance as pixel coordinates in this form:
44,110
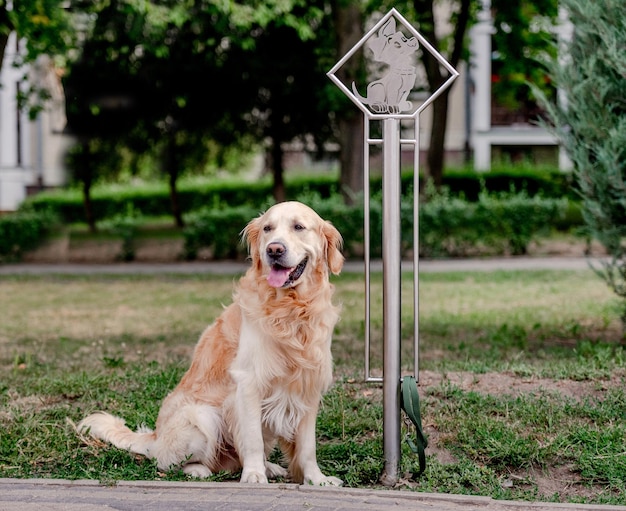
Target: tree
44,26
522,36
286,101
591,123
453,51
445,26
348,30
188,71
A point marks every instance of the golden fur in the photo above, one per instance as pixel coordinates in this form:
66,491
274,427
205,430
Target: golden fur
259,371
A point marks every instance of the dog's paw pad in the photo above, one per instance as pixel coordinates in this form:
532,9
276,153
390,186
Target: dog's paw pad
331,481
197,470
253,477
323,481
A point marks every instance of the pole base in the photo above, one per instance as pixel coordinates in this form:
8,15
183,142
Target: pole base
389,480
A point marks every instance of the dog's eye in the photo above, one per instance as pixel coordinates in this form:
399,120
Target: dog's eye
299,227
267,228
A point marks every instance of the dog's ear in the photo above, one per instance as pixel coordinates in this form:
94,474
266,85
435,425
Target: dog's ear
388,28
250,236
377,44
334,243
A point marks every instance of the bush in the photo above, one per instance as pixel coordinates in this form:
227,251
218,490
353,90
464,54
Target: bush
23,231
591,124
497,223
449,226
219,229
126,226
153,199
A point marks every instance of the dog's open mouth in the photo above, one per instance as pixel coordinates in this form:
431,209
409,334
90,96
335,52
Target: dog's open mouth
284,277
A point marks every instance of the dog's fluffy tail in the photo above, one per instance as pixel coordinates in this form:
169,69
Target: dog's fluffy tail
107,427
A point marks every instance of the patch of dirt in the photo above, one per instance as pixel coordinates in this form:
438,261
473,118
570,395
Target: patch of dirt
566,248
510,384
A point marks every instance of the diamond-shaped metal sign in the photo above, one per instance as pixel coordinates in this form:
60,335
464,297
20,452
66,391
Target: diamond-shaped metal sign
390,94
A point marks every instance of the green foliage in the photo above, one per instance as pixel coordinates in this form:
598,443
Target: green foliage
448,226
125,225
45,27
592,123
521,34
23,231
219,229
152,199
504,222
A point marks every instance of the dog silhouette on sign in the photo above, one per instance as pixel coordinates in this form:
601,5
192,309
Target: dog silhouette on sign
390,93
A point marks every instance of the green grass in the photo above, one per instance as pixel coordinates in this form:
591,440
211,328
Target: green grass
522,378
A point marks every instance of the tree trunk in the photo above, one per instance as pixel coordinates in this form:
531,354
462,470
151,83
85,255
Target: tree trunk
436,149
86,173
351,158
278,188
174,200
459,22
171,163
349,30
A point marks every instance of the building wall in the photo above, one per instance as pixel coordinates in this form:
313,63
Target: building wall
31,151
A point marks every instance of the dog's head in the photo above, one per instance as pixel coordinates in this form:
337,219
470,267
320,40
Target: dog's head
290,242
390,45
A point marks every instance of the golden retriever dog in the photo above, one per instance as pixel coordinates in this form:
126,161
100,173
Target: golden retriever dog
259,371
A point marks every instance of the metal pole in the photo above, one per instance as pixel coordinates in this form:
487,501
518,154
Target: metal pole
391,300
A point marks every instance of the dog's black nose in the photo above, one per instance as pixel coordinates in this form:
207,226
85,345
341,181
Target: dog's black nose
276,250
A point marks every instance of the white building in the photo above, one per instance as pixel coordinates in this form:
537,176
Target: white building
31,151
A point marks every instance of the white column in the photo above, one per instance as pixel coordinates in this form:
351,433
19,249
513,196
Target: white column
480,49
9,77
564,30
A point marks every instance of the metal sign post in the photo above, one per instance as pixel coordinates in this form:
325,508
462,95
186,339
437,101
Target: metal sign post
389,99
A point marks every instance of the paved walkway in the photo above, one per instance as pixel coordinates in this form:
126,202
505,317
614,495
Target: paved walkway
229,267
60,495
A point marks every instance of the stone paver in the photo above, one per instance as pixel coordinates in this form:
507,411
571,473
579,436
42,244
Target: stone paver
60,495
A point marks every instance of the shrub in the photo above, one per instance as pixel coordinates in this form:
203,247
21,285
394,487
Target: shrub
497,223
126,226
591,124
218,229
23,231
449,226
153,199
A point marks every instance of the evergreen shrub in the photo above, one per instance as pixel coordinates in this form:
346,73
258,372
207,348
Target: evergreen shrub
23,231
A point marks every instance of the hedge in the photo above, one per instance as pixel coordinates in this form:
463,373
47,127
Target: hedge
449,226
153,200
23,231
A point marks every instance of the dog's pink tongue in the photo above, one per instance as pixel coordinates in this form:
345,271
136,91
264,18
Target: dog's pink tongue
278,276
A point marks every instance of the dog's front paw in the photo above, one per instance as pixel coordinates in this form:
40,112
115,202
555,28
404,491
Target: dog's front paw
197,470
323,481
332,481
253,476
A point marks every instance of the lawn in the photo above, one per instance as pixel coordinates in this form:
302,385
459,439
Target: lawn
521,378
